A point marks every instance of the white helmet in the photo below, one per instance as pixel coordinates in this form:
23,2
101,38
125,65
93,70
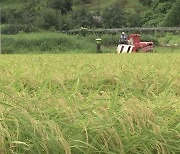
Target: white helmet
123,33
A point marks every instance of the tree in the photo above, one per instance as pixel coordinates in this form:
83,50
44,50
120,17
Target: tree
114,16
82,18
134,20
173,17
49,19
166,1
62,5
86,1
134,17
146,2
155,15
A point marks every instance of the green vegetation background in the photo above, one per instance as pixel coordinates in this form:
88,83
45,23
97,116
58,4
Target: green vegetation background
38,15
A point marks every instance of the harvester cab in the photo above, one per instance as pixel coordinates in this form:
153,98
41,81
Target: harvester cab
135,45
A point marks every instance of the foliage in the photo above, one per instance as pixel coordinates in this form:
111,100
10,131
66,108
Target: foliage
53,42
114,16
146,2
150,38
23,19
30,12
49,19
5,16
152,13
45,43
86,1
134,17
62,5
155,16
162,1
25,15
134,20
31,17
110,39
170,39
67,22
82,18
15,29
173,17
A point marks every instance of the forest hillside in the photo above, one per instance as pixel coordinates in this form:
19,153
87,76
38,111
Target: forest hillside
58,15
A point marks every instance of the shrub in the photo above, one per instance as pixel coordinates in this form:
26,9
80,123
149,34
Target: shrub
62,5
5,16
82,18
22,19
45,42
15,29
114,17
173,17
170,39
146,2
134,20
110,39
49,19
67,22
150,38
156,14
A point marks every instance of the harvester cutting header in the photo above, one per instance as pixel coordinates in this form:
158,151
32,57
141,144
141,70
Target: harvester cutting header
133,44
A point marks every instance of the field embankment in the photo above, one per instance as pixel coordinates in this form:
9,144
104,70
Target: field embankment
170,39
82,103
53,42
45,43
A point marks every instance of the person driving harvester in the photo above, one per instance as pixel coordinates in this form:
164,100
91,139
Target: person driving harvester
123,38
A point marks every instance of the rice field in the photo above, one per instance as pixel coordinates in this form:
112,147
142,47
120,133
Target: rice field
90,103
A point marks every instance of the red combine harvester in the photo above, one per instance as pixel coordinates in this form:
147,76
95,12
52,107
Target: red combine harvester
134,45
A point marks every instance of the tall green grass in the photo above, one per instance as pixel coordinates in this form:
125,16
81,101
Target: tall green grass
83,103
45,42
53,42
170,39
167,50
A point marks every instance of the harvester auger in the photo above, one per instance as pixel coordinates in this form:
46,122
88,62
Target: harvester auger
135,45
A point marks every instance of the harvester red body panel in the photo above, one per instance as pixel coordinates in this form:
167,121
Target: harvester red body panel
135,45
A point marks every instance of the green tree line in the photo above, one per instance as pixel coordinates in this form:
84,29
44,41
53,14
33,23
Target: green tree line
60,15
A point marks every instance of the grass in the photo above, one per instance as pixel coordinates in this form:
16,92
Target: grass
170,39
167,50
45,42
53,42
90,103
